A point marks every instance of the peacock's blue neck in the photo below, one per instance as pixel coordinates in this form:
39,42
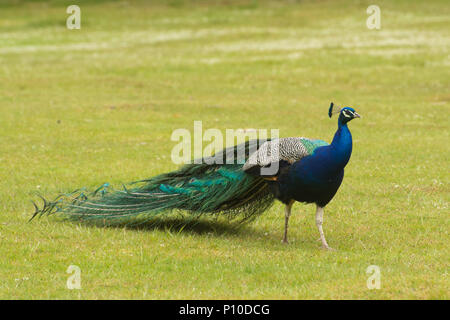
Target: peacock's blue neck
326,163
341,146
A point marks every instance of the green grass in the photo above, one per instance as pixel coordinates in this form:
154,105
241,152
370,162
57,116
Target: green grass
82,107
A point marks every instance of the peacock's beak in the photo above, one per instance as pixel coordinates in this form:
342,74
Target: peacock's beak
355,115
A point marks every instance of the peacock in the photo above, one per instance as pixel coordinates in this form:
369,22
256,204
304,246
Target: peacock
307,170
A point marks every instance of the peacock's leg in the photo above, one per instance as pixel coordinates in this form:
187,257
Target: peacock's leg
287,213
319,222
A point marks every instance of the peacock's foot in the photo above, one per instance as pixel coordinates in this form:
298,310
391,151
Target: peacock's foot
326,247
285,241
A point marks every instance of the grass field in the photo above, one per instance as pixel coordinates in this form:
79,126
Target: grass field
84,107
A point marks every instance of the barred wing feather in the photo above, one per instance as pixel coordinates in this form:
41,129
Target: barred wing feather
284,149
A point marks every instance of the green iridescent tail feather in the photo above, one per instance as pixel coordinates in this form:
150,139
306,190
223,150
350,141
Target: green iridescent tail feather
197,188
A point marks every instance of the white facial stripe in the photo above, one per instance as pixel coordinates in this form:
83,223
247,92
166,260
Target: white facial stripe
345,113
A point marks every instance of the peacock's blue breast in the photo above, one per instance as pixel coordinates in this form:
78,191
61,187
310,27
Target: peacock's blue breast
313,178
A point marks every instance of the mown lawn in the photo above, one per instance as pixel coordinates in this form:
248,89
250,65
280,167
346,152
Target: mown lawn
84,107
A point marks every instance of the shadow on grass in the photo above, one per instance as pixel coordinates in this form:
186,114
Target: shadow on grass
202,226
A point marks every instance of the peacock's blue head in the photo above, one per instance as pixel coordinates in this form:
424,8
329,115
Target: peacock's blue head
345,114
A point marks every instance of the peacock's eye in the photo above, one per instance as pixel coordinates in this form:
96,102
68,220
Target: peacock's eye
347,113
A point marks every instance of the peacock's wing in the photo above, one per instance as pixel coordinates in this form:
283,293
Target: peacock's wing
284,150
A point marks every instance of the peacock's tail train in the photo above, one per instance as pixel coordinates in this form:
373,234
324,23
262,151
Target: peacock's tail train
205,188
